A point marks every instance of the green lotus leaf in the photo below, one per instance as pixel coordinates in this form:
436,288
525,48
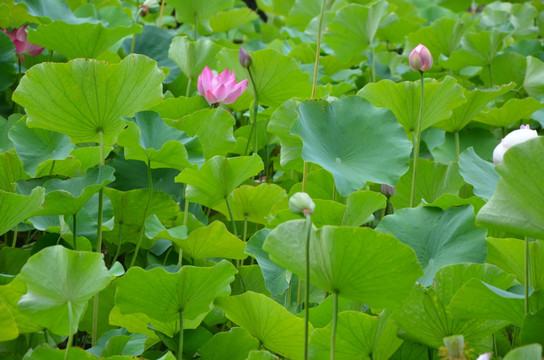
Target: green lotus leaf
16,208
195,10
533,83
253,203
100,93
476,101
212,127
280,124
150,140
231,19
46,352
8,74
60,281
438,237
527,352
478,173
84,40
434,180
517,206
358,335
277,77
191,56
213,241
218,177
427,316
530,329
404,98
165,296
10,295
441,37
511,112
11,171
176,108
346,260
8,324
276,278
478,49
54,10
353,140
354,28
276,328
234,344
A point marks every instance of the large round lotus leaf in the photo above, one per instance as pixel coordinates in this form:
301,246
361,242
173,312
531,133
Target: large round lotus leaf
218,178
163,296
149,139
357,263
191,56
276,328
10,295
427,317
358,336
517,206
441,37
438,237
511,112
46,352
353,140
16,208
99,94
11,171
253,202
479,173
281,121
79,40
7,323
277,77
59,280
527,352
191,11
404,98
234,345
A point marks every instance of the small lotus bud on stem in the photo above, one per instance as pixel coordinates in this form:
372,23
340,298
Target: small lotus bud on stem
301,203
421,59
244,57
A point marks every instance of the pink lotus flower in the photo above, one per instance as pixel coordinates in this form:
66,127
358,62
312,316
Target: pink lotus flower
421,59
220,88
20,40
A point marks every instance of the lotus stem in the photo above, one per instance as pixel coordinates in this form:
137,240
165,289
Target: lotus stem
74,231
15,235
118,251
307,288
180,343
146,210
457,146
417,141
334,322
70,336
161,14
231,218
185,218
526,261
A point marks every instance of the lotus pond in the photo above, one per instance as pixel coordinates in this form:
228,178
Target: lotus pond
271,179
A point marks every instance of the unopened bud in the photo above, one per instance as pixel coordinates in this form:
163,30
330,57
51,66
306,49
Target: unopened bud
244,57
388,190
421,59
152,6
301,203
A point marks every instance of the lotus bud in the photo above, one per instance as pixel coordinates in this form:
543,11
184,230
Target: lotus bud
388,190
486,356
152,5
421,59
301,203
515,137
244,57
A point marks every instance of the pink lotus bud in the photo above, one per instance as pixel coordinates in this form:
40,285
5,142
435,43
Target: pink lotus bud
421,59
515,137
20,40
244,57
220,88
388,190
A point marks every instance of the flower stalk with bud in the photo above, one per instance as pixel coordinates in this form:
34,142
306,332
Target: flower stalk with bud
420,60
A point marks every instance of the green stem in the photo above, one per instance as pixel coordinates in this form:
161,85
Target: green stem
180,344
490,76
334,322
417,141
307,288
188,90
196,26
185,218
15,235
161,14
74,232
146,210
373,64
299,293
244,235
135,21
304,176
318,49
71,336
457,146
255,108
231,218
526,274
52,167
98,236
118,251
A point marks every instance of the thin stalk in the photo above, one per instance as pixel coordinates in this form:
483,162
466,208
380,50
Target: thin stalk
180,344
373,64
417,141
244,235
188,90
196,26
19,75
15,235
74,232
71,336
45,336
288,296
526,274
314,83
255,108
160,14
185,218
307,288
118,251
146,210
135,20
457,146
299,293
334,322
231,218
490,76
98,237
52,167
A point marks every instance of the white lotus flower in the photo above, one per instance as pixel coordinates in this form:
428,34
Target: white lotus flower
515,137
